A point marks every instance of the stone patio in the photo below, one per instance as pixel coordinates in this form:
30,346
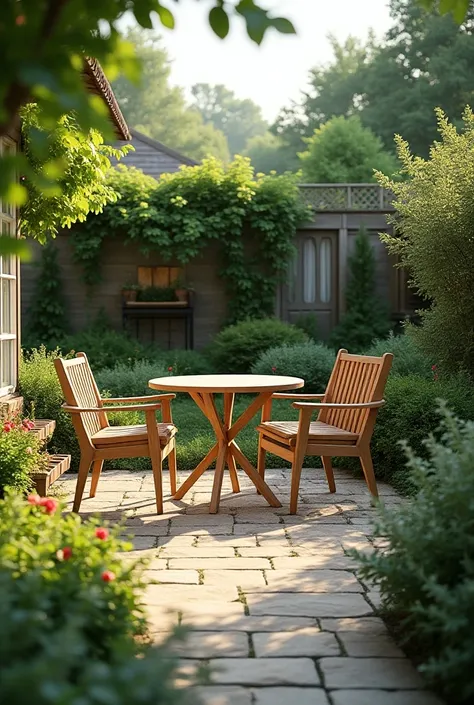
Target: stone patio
272,600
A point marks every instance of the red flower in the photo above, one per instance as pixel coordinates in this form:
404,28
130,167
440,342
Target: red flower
101,533
50,505
107,576
170,368
64,554
8,426
434,367
28,425
274,369
34,499
20,20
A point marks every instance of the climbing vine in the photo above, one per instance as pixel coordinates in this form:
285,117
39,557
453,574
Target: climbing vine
254,218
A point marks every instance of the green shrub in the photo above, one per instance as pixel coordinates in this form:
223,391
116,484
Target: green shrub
236,348
185,362
432,236
308,322
410,414
312,362
105,347
426,574
20,454
129,379
366,319
408,358
70,613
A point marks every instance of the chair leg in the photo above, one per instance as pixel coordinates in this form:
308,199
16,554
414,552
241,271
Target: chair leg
298,457
173,470
261,459
157,466
327,465
84,467
368,469
296,469
96,470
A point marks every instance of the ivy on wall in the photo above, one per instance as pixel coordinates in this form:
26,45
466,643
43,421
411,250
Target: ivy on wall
253,218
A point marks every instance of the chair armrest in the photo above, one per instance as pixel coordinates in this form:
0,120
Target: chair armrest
288,395
328,405
147,399
102,410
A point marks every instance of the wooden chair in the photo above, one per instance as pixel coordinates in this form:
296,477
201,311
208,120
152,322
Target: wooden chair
99,441
345,423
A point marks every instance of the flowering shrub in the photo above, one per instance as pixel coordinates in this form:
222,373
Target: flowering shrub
20,454
70,613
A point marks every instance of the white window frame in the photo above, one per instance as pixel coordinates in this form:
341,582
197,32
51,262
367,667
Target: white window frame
9,217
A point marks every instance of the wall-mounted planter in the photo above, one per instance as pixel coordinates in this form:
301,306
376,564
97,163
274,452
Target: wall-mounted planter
58,464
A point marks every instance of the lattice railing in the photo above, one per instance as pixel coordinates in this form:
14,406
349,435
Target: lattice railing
346,197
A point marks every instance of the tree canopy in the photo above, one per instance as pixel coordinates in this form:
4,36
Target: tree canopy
159,110
239,120
344,151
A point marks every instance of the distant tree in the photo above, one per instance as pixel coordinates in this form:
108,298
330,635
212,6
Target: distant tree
269,153
159,109
344,151
239,120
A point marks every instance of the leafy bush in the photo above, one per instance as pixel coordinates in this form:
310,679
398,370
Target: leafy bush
185,362
366,318
432,236
408,358
105,347
410,414
311,361
236,348
426,574
70,613
129,380
20,454
308,322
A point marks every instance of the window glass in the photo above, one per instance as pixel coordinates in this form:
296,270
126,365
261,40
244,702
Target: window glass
309,271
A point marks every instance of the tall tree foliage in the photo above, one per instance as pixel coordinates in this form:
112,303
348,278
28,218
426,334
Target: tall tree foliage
344,151
159,109
366,318
433,236
424,61
239,120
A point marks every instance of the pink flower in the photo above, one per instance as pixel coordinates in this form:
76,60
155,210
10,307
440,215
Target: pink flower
64,554
101,533
50,505
34,499
29,450
28,425
107,576
434,367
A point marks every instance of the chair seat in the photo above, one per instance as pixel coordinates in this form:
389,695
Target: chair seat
116,435
318,431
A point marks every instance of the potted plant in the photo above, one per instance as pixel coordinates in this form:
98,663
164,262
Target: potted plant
130,291
155,294
181,290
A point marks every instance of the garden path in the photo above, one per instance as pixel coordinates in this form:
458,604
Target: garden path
273,602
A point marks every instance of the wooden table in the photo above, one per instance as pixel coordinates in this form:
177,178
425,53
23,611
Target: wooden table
225,451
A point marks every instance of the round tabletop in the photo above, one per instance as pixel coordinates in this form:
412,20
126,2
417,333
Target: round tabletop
226,383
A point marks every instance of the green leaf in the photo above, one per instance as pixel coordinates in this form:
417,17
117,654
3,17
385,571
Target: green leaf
11,246
219,22
142,16
283,25
166,17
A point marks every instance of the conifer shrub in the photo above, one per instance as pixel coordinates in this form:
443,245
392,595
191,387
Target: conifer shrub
366,318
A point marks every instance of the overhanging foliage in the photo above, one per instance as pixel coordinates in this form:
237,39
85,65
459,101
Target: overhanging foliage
254,220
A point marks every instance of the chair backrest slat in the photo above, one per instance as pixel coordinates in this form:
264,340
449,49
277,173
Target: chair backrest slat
355,379
79,389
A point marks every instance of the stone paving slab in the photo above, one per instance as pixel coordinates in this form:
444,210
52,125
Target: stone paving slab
271,601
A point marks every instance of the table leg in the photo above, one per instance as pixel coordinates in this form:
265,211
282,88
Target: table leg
218,477
228,409
196,474
257,480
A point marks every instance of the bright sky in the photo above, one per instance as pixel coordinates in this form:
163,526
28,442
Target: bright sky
276,72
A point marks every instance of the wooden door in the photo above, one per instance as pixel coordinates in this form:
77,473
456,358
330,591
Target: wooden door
312,281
